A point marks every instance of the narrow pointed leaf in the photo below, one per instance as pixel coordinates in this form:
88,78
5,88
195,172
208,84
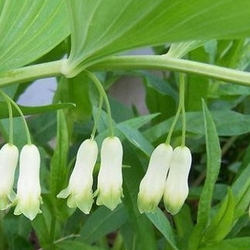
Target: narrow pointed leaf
213,166
30,110
222,222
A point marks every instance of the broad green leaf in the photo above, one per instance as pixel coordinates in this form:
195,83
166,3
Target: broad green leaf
19,135
161,222
29,29
43,127
139,121
136,138
75,245
102,222
31,110
242,243
222,222
129,126
233,89
228,123
14,231
213,166
58,166
157,102
159,84
106,31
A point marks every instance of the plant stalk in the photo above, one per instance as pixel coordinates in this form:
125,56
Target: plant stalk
162,62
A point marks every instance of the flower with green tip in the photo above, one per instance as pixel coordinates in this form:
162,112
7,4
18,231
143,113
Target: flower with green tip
153,183
109,184
176,188
8,162
79,190
28,198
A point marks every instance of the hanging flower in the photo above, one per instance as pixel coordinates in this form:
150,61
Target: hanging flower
8,163
28,197
176,188
153,183
79,190
109,186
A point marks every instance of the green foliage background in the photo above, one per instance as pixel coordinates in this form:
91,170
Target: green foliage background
207,39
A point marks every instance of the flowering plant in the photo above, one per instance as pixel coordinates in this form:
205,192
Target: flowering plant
110,162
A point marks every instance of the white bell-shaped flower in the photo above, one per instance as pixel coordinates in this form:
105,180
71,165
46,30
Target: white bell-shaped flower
28,197
79,190
153,183
8,162
176,188
109,185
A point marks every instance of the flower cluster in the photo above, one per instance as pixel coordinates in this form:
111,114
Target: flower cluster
167,177
28,197
109,185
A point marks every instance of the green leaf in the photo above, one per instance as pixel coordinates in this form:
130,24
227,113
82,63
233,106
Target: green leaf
14,232
58,166
231,244
123,129
181,49
197,86
139,121
76,245
233,89
75,90
31,110
222,222
102,222
161,222
241,191
20,138
157,102
213,166
41,229
43,127
184,224
106,31
29,29
227,123
141,230
136,138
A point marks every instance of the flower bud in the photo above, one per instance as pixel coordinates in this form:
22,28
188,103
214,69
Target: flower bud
176,188
28,197
8,163
109,186
79,190
153,183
